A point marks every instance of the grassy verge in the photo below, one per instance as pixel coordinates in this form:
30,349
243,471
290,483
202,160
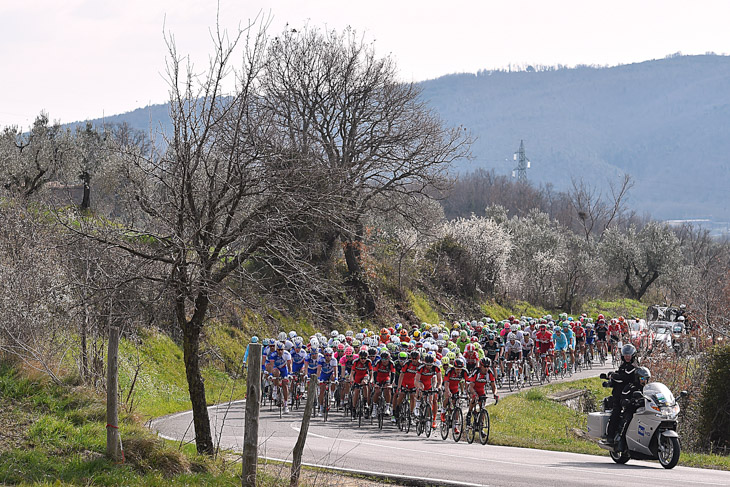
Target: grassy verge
531,420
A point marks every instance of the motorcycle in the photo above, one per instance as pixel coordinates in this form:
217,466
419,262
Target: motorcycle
652,432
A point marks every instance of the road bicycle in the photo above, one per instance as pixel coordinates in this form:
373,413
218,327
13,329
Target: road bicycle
403,416
452,419
514,379
425,414
477,422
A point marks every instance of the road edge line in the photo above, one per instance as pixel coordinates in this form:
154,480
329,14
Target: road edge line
401,479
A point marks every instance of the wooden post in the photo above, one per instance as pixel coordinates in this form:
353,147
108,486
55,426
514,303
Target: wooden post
296,463
251,425
112,415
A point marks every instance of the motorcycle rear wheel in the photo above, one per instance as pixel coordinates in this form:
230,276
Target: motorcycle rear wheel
620,457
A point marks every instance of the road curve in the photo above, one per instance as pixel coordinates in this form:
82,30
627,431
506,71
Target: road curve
338,443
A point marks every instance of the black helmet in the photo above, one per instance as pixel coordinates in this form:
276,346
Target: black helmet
415,354
485,362
429,359
628,349
372,351
459,363
363,354
642,375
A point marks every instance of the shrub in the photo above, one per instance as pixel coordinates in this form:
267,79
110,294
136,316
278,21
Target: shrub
714,414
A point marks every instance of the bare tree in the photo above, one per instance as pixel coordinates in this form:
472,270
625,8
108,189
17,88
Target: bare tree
597,210
226,192
343,106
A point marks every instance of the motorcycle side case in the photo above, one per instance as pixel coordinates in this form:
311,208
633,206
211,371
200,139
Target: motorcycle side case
598,424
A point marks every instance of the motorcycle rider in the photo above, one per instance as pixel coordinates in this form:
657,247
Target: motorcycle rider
631,404
618,380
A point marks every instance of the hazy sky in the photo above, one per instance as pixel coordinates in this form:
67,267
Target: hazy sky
79,59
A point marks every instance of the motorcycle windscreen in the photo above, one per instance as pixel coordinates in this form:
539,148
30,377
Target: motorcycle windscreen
660,394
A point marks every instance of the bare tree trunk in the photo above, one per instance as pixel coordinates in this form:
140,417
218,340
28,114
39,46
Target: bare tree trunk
296,463
196,388
86,201
251,426
112,418
365,299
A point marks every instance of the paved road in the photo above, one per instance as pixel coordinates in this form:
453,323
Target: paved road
337,443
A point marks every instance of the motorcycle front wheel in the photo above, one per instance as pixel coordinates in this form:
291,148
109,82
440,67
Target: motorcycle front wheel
668,451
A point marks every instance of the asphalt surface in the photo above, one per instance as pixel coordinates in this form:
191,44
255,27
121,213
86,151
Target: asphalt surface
340,443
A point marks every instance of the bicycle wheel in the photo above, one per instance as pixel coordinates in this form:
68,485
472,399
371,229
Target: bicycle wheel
483,427
399,418
518,379
326,405
457,424
427,420
470,427
444,427
511,379
281,403
407,416
359,409
381,411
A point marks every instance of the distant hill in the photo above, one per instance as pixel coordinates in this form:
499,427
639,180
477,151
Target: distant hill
665,122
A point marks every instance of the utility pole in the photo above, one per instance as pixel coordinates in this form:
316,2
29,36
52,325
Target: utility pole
523,164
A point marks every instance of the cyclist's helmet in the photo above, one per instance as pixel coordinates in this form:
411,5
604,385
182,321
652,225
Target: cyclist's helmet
403,355
415,354
429,359
372,352
445,361
621,319
642,376
490,336
334,333
511,336
485,362
463,334
459,363
363,354
349,351
469,348
328,351
279,346
282,336
348,333
385,355
292,334
601,317
254,339
340,346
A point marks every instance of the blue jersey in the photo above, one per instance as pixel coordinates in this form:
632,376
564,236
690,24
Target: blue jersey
311,361
298,360
590,336
570,336
279,361
328,368
561,341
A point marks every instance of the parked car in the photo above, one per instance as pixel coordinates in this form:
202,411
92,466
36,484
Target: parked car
663,334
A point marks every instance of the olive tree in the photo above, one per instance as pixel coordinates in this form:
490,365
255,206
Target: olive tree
640,257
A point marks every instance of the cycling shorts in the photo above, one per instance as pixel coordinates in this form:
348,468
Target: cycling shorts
325,377
526,353
560,348
283,373
383,383
513,356
579,339
297,367
614,338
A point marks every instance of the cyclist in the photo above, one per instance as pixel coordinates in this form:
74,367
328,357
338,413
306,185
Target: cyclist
528,344
614,331
477,382
429,378
570,336
279,366
463,340
326,371
452,378
544,340
362,374
407,380
580,340
471,357
590,338
493,350
298,361
384,372
513,351
345,369
601,334
560,343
